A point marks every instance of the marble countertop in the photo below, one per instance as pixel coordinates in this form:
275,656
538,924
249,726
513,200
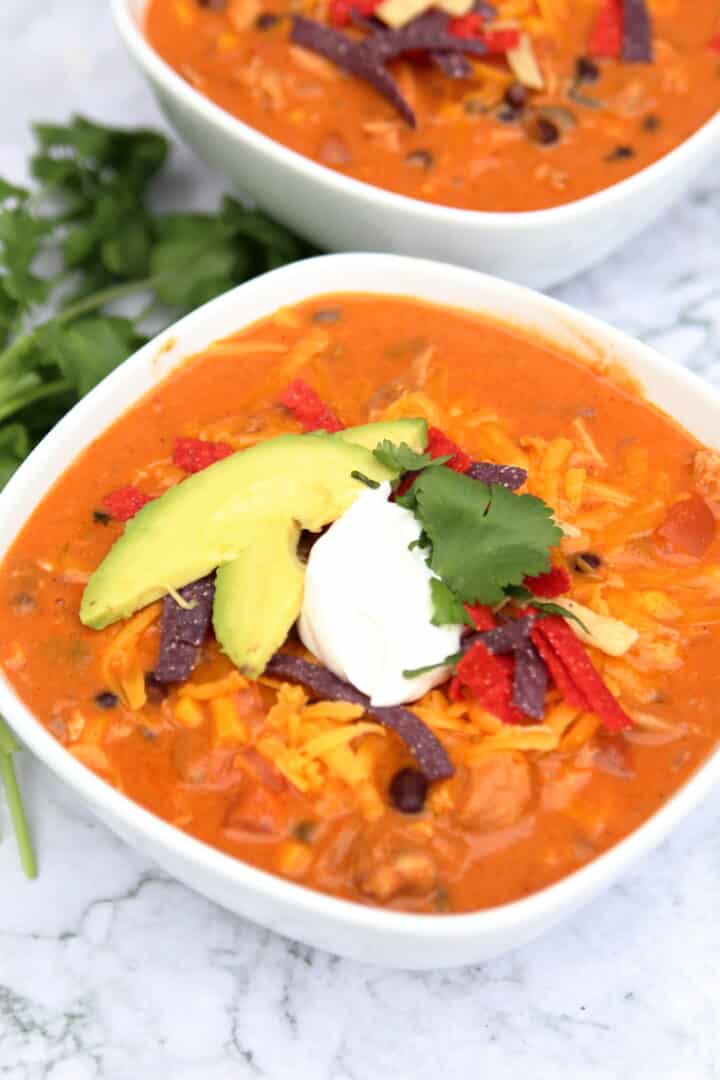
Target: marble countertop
109,969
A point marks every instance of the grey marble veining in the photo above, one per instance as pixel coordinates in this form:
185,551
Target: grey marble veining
109,970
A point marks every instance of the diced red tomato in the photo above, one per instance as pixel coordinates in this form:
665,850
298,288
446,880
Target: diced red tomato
607,34
488,679
587,685
194,455
714,43
554,583
308,408
125,502
439,445
688,529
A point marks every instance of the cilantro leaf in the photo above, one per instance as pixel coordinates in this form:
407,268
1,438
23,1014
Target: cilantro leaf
14,448
484,537
89,349
401,458
447,609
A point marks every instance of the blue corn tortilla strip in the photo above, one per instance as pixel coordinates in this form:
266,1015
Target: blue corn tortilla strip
348,54
530,677
510,476
366,58
183,630
454,65
637,45
530,680
422,743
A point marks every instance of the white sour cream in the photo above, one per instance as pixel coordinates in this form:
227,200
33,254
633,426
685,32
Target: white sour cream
367,606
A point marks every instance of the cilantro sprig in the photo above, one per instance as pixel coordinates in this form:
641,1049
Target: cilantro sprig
85,238
484,538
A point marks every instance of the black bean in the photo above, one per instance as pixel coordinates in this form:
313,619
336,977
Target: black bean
651,122
101,518
155,690
408,790
327,315
543,131
106,700
302,831
267,20
620,153
516,96
586,560
586,70
420,159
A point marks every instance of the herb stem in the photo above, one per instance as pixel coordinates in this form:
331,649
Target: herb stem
14,801
102,297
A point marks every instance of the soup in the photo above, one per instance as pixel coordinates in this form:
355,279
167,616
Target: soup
558,101
577,698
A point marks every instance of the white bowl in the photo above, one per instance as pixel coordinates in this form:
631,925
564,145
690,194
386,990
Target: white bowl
366,933
539,248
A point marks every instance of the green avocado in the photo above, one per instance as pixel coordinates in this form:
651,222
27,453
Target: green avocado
258,596
413,432
242,515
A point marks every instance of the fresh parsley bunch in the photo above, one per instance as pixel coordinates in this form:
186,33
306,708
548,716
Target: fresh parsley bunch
86,237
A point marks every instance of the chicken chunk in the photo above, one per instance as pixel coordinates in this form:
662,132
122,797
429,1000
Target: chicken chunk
496,792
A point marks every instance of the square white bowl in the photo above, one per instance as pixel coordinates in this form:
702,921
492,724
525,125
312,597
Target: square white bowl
365,933
539,248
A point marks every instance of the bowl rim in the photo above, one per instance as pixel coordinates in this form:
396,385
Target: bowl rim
566,214
549,902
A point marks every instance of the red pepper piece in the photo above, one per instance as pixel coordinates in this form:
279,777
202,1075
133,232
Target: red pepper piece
340,12
559,673
467,26
554,583
439,445
489,679
500,41
714,43
124,503
194,455
308,407
482,616
607,35
579,668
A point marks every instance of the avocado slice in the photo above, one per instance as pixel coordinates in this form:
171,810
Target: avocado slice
268,577
414,432
216,515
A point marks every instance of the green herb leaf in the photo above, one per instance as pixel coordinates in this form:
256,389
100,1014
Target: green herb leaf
401,458
14,448
447,662
447,609
89,349
484,537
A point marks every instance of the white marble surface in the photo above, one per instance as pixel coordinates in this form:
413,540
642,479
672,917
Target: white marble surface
108,969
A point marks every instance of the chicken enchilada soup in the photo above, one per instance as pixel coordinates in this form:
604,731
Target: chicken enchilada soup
388,599
511,106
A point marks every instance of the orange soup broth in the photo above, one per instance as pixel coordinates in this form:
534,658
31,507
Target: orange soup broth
461,154
504,397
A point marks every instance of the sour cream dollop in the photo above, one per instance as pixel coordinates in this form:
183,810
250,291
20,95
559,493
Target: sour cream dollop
367,606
